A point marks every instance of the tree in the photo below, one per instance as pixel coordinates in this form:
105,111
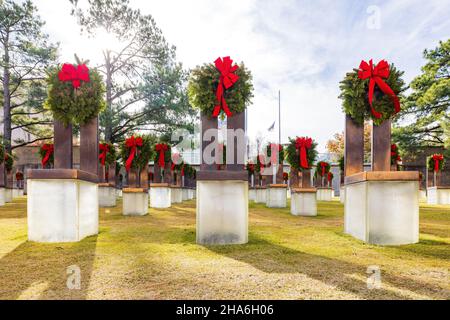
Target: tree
26,53
336,145
426,109
139,75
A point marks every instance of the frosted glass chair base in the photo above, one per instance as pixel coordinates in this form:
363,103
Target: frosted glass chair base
176,194
261,195
277,196
61,210
185,194
106,195
439,195
8,195
222,212
135,201
252,194
2,196
304,202
342,194
324,194
160,195
383,207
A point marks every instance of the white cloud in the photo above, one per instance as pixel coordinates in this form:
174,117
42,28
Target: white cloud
302,48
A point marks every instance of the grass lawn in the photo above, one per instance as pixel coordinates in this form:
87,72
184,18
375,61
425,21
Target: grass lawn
287,257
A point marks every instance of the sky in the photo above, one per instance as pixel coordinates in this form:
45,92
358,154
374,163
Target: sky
301,48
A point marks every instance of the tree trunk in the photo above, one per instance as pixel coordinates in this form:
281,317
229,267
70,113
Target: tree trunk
108,111
6,99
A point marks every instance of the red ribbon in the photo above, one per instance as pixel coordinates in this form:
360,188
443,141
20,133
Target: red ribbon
303,144
375,76
161,148
104,148
324,166
251,167
132,143
74,74
226,81
330,176
48,148
437,158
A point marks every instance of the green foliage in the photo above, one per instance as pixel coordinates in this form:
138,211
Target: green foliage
341,163
75,106
111,155
354,95
293,154
144,152
145,87
203,84
51,159
426,109
9,162
431,163
281,152
26,52
2,153
318,171
167,154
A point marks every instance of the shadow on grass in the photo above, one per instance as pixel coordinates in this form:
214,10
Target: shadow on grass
273,258
40,271
428,248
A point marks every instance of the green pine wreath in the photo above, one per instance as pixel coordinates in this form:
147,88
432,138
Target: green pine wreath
202,86
293,155
354,96
75,106
430,163
167,154
111,155
144,152
280,152
9,162
318,172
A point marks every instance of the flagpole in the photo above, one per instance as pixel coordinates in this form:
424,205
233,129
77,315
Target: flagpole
279,117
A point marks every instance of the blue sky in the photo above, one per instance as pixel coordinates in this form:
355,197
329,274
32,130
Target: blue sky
303,48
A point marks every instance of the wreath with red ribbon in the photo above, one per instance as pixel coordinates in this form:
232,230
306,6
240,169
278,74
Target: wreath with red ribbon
372,92
250,167
107,153
395,155
273,158
220,88
47,151
436,162
76,93
19,176
163,154
136,151
322,168
285,176
9,162
301,153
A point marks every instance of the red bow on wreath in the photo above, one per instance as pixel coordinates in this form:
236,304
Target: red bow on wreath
330,176
303,144
323,165
226,81
132,143
437,158
161,148
104,148
375,76
75,74
49,149
251,167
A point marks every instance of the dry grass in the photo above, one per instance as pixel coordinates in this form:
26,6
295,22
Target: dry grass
155,257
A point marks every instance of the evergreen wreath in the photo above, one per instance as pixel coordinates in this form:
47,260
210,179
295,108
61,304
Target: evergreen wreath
293,154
